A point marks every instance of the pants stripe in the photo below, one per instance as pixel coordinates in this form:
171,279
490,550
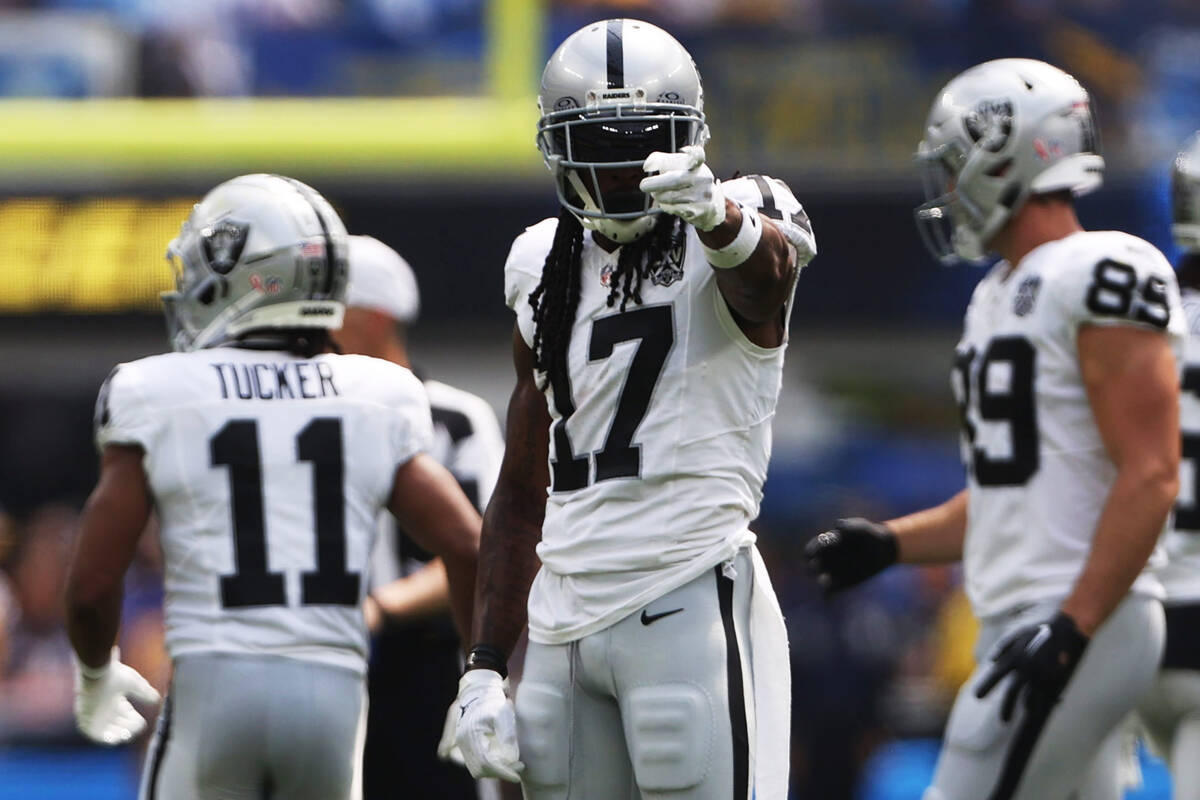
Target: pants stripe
160,749
737,693
1019,752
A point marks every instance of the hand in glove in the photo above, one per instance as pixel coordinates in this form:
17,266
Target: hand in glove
854,550
487,726
685,186
1041,659
103,712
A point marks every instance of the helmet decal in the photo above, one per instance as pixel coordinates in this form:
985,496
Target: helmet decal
223,243
990,124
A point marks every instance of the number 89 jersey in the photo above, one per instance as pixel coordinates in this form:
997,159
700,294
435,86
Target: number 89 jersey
267,473
659,444
1038,472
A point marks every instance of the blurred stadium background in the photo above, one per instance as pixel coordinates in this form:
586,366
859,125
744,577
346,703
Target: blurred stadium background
416,118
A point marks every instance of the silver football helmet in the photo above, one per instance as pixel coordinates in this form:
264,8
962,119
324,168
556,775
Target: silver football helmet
1185,196
998,133
258,252
613,93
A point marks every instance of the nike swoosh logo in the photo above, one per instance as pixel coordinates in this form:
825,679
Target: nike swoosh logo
462,709
648,618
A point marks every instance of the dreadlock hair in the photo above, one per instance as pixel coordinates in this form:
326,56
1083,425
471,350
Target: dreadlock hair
556,298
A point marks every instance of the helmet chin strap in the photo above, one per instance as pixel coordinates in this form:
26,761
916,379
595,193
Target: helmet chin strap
621,231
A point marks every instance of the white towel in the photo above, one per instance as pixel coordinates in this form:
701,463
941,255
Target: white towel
770,667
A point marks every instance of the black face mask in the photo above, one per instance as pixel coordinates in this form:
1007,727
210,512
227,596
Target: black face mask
613,140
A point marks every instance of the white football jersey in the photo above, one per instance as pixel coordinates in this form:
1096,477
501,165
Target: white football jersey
1037,470
467,441
659,445
268,472
1181,575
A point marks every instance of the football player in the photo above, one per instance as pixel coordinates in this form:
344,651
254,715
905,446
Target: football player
267,461
1170,713
415,653
649,341
1066,377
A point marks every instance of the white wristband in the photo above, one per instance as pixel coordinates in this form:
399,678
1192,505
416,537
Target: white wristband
742,246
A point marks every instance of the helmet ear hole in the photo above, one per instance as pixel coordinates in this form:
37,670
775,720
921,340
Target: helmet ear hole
208,294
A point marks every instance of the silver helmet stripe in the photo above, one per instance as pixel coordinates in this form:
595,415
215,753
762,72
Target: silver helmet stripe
616,55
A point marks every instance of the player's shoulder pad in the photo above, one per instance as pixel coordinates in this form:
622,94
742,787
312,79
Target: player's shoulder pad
380,380
1113,278
461,411
774,199
127,404
526,257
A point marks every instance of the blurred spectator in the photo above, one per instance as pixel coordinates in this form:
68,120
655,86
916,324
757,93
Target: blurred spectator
36,677
36,682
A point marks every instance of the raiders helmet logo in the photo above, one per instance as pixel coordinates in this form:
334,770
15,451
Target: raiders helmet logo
990,124
223,244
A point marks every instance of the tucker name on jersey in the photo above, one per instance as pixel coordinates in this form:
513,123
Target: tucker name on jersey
227,433
1038,471
660,442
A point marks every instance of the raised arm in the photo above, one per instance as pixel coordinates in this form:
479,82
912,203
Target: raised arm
512,523
428,503
1133,387
757,288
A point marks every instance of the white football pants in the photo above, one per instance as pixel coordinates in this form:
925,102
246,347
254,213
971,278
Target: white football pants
661,704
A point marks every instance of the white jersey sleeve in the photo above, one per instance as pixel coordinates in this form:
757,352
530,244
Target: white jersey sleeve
1113,278
774,200
523,272
122,413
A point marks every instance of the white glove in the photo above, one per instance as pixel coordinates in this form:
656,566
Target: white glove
685,187
447,748
487,726
102,712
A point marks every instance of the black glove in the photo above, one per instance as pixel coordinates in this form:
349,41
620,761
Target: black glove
1041,658
854,550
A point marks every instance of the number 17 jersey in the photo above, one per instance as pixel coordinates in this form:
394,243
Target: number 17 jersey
659,438
1038,473
267,473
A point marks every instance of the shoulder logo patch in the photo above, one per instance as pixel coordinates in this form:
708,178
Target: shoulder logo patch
1026,295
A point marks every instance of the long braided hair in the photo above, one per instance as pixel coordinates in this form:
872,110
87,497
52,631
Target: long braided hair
555,301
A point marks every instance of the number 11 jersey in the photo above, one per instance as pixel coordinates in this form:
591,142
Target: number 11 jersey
1038,473
267,473
660,439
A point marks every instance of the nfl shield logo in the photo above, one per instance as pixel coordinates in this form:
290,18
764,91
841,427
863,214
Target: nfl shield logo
1026,295
606,273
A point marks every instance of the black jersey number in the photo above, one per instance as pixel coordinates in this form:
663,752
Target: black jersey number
235,446
1187,515
1115,292
653,327
1012,403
